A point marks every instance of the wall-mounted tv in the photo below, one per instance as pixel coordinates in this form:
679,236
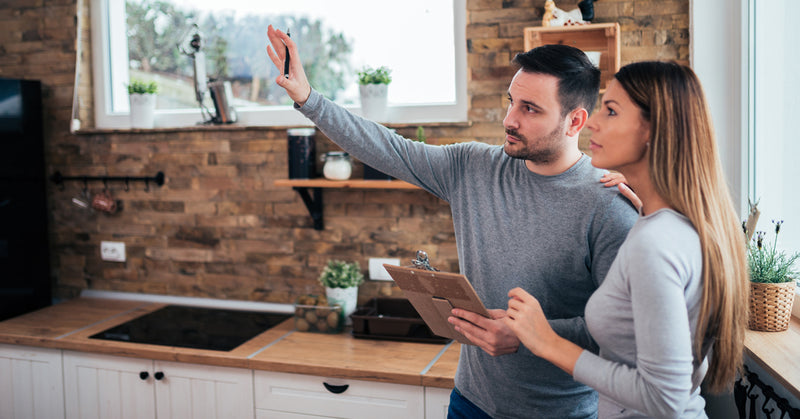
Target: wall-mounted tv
20,105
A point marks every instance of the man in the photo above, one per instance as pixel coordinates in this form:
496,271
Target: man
530,214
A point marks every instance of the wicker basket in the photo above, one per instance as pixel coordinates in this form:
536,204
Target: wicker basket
771,306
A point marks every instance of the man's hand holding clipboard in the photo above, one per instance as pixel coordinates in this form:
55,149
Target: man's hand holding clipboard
451,308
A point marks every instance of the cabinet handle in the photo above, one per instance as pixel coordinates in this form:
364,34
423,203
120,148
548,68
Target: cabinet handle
143,375
336,389
158,375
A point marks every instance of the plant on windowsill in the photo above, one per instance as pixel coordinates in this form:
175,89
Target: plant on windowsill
341,281
142,96
373,88
772,279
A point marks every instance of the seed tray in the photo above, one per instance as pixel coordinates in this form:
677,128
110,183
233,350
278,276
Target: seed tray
392,319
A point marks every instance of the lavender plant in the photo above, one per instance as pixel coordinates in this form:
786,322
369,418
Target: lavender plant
767,264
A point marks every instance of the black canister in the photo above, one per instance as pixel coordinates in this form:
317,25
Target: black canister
302,153
371,173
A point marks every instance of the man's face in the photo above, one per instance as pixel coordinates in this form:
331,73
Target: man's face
535,129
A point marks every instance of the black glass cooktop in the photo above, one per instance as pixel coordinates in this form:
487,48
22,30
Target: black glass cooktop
194,327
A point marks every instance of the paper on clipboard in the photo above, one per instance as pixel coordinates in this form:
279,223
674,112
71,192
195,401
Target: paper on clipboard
434,294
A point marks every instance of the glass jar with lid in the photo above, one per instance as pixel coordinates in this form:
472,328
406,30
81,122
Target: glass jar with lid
338,165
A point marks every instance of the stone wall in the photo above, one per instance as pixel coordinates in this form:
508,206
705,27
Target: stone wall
219,227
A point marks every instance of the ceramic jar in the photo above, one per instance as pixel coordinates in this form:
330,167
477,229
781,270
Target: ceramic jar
337,166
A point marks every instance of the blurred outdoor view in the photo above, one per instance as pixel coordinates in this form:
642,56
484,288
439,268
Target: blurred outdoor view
333,46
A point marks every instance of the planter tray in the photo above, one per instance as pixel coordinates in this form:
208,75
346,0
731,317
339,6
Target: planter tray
430,339
392,319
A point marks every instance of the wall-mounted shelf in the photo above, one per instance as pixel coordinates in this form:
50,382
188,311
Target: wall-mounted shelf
350,183
602,37
307,187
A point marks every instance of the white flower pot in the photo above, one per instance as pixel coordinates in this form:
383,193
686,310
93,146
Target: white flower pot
374,101
345,297
143,110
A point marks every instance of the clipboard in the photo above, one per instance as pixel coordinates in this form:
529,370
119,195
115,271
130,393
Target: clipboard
434,294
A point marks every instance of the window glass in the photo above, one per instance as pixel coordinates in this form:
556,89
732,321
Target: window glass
416,39
774,167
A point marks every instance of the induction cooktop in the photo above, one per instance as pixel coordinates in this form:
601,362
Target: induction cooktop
194,327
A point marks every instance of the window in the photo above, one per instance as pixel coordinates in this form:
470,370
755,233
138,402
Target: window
747,64
774,103
422,42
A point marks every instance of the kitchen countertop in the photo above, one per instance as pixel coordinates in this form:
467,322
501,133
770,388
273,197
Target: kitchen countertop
68,325
777,352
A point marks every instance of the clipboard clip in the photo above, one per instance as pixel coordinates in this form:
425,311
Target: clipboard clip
422,262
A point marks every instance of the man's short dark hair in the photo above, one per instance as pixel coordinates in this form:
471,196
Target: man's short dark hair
578,78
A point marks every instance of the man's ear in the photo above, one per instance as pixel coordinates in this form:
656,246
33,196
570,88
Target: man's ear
576,120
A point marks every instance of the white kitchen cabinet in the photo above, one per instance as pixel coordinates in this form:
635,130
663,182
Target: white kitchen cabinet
104,386
203,391
281,395
31,383
437,400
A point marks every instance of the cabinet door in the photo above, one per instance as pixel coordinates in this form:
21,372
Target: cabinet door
103,386
202,391
437,401
280,395
31,383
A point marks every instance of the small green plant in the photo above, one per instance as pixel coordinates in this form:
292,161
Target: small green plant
421,134
142,87
766,263
339,274
380,75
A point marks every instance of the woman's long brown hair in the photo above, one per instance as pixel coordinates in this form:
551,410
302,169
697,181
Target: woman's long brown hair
686,171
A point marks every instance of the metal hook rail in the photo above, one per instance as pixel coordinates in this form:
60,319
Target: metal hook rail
157,180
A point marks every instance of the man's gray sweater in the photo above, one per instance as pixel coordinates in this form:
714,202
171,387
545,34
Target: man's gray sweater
554,236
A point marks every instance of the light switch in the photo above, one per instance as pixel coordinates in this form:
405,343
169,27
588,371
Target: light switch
377,271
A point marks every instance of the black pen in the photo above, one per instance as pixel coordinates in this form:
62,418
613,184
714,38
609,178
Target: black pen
286,62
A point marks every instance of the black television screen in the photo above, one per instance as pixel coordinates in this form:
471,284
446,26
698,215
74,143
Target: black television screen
17,100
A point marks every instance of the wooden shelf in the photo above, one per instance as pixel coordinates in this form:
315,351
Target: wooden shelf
350,183
307,187
602,37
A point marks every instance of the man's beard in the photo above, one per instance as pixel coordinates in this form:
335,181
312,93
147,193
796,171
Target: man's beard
544,149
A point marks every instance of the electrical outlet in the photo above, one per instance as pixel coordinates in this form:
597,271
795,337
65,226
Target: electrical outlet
112,251
377,271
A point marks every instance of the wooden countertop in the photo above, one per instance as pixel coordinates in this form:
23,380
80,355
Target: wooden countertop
68,325
777,353
282,349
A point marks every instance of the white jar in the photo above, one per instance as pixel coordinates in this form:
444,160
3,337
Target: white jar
337,166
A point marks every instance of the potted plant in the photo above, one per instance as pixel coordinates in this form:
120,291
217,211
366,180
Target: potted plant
772,281
341,280
142,95
373,88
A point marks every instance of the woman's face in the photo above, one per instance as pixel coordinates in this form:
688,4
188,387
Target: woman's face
620,135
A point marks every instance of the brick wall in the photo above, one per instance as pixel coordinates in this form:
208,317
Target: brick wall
219,227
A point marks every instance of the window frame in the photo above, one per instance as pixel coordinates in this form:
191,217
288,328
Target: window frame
112,70
720,57
723,56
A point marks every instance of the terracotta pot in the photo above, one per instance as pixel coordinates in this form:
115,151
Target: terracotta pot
771,306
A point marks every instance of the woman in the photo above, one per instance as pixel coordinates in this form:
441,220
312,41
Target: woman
670,311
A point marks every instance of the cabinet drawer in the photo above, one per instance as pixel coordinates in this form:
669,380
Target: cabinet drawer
296,395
